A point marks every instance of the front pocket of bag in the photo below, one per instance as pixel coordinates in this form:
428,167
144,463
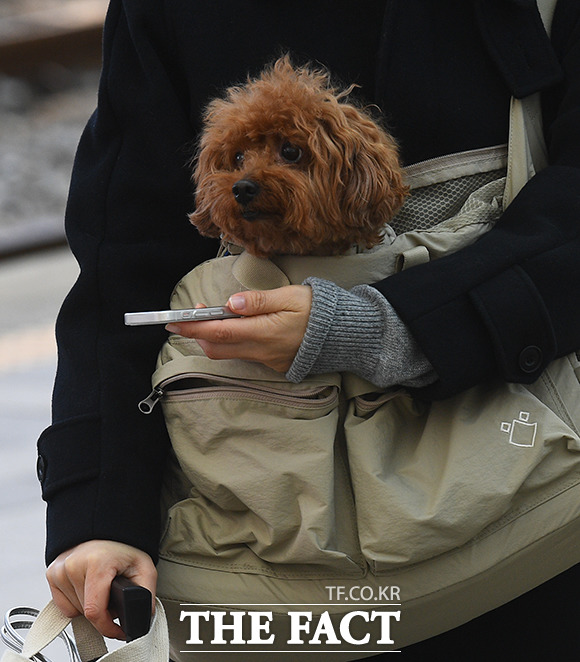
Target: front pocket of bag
270,487
429,478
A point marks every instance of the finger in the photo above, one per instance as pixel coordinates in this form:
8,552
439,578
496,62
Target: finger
223,332
63,592
63,602
242,351
144,574
67,577
262,302
97,595
269,355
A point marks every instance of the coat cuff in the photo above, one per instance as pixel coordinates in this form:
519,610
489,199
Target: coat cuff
523,344
85,502
500,328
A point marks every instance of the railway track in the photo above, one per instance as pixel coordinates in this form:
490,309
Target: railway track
34,33
38,40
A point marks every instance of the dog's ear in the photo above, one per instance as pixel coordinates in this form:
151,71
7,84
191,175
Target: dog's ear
362,170
374,182
201,217
208,160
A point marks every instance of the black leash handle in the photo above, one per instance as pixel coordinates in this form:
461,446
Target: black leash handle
132,604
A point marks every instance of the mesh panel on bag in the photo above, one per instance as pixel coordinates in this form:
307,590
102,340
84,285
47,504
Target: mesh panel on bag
430,205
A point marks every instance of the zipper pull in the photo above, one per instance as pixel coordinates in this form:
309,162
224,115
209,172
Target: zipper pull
146,406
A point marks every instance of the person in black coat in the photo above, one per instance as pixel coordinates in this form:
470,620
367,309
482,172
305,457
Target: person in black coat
443,74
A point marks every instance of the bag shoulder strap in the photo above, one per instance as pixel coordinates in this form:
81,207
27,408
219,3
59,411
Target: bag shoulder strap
527,152
546,9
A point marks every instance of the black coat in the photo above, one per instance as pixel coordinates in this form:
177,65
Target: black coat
442,72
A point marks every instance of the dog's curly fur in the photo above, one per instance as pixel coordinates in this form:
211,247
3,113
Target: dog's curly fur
323,175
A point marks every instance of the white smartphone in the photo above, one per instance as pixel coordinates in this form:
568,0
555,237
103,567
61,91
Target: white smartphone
187,315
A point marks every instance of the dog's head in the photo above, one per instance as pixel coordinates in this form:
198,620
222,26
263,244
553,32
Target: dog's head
287,166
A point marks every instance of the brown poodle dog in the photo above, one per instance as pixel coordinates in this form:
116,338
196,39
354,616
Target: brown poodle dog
287,166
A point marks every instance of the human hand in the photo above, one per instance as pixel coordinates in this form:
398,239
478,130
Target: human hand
270,332
80,580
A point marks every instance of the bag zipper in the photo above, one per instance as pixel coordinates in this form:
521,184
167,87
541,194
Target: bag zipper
177,388
146,406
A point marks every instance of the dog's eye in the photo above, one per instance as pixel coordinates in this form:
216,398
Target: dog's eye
239,159
291,153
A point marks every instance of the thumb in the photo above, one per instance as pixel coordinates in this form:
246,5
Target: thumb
257,302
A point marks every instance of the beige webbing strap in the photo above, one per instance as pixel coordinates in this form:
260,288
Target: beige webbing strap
546,9
527,153
46,628
412,257
89,642
50,624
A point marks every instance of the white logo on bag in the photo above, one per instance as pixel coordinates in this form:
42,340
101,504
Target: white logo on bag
521,431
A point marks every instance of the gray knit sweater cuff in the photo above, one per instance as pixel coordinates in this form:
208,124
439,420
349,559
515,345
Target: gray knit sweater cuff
358,331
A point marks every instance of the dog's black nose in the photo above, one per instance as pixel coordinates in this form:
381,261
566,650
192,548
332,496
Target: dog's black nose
245,190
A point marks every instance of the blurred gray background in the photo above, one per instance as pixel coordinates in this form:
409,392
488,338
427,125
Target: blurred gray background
49,64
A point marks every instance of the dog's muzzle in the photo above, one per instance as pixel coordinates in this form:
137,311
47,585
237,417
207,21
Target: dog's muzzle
245,191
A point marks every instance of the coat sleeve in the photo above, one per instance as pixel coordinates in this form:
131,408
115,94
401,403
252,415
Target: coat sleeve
100,462
509,304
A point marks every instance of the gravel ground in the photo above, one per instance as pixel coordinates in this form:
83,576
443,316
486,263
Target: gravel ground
40,125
